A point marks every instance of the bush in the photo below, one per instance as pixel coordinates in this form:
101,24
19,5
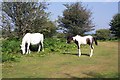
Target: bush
10,57
103,34
9,48
52,44
12,46
56,44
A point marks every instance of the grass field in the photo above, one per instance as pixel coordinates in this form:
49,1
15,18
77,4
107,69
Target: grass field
65,63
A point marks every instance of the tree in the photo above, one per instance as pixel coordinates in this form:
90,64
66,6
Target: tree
27,16
115,25
49,29
76,19
103,34
6,26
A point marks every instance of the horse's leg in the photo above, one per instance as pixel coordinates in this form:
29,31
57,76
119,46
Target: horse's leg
79,51
39,47
28,50
91,50
78,45
42,46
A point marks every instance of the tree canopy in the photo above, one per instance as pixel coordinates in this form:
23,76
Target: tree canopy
103,34
28,16
115,25
76,19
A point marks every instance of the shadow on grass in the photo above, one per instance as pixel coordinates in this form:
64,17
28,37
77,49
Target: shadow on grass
68,53
93,74
98,75
70,76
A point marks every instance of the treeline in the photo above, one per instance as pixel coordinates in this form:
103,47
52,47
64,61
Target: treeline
19,18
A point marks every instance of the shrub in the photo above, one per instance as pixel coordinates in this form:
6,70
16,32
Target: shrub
9,48
52,44
56,44
10,57
103,34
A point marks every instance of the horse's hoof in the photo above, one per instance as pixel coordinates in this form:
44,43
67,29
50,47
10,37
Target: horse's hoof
90,55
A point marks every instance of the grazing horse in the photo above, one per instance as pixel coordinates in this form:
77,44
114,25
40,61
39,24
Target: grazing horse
83,40
32,39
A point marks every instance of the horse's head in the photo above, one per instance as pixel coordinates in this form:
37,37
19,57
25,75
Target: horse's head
69,39
22,49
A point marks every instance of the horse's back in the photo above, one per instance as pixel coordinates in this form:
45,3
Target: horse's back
82,39
26,37
33,35
33,38
36,35
89,36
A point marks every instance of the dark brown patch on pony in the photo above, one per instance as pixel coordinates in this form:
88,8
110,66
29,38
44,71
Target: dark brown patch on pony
94,39
92,42
76,42
69,39
88,41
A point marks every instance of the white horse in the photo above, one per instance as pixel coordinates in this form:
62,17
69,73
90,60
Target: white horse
32,39
83,40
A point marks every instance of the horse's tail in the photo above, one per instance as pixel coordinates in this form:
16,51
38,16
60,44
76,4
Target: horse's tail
95,40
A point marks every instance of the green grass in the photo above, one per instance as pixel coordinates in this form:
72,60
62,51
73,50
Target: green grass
60,60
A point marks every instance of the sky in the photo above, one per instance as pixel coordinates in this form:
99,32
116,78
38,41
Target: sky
102,12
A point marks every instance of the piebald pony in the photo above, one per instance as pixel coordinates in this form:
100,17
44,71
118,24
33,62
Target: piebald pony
83,40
